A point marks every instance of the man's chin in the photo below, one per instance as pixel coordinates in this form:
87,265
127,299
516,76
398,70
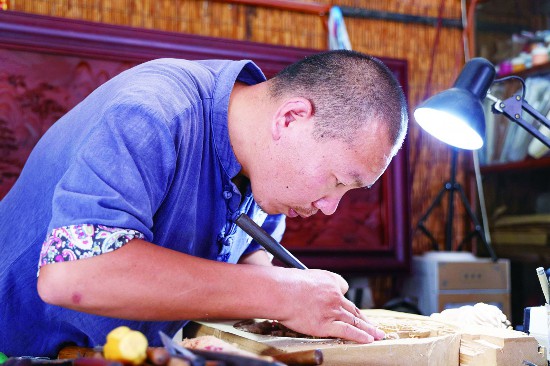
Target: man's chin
268,210
289,212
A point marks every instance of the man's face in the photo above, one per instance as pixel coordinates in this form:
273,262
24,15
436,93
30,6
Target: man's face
303,176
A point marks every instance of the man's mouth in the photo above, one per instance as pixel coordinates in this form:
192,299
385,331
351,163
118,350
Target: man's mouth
293,213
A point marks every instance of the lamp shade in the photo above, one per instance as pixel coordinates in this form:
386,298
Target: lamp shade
455,116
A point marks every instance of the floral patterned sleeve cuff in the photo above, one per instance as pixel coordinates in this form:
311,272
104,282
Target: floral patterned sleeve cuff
69,243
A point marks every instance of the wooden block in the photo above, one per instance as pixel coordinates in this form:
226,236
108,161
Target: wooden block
441,348
447,344
485,346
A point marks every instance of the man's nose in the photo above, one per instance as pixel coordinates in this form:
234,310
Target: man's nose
327,205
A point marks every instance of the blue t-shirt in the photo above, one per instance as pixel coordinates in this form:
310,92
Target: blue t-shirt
149,150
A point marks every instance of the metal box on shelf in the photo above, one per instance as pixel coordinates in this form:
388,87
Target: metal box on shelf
444,280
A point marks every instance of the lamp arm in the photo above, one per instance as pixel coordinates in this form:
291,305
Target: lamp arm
512,108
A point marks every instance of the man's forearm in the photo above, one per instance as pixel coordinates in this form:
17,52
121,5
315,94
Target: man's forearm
142,281
146,282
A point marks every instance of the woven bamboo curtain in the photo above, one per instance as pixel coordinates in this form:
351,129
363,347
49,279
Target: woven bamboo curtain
434,54
435,57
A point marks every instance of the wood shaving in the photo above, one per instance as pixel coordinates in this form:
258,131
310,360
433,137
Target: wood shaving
398,328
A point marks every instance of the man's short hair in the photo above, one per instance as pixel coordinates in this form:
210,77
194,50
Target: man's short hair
348,90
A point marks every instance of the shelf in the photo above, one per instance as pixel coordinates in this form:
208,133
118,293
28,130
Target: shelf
517,166
532,71
529,164
539,254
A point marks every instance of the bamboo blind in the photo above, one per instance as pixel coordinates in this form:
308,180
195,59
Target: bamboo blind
429,159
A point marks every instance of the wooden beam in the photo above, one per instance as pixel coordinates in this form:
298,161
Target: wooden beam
299,6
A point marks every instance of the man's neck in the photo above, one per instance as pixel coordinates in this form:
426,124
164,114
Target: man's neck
246,123
242,183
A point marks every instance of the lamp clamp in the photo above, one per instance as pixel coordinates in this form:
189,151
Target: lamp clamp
512,108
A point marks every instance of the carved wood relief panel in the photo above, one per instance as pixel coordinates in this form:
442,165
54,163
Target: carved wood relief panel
36,89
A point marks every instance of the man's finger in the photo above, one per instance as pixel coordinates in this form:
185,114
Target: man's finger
350,332
368,327
350,306
357,319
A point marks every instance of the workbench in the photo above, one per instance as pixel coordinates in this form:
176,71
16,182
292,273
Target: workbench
446,344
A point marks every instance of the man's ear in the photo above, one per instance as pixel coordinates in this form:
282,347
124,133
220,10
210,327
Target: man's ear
290,111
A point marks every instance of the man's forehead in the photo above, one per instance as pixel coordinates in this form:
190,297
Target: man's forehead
372,166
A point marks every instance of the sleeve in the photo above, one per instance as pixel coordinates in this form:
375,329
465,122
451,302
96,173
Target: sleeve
275,226
120,174
74,242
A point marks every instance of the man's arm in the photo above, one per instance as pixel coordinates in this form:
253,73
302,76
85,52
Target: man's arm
143,281
258,257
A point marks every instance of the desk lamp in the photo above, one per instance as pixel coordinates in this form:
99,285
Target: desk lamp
455,116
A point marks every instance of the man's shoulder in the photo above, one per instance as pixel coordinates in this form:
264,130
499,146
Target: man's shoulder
244,69
213,66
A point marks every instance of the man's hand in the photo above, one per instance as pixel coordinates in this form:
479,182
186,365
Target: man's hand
317,306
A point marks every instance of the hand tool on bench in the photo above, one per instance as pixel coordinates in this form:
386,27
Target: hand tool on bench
175,350
267,241
203,356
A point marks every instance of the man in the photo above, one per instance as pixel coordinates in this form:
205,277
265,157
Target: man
128,201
